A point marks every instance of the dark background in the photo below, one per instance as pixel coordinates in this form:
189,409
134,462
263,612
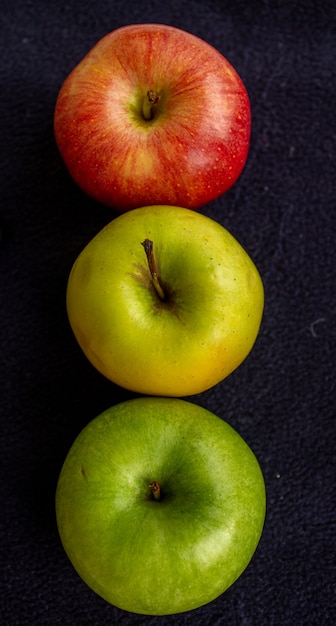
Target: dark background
282,209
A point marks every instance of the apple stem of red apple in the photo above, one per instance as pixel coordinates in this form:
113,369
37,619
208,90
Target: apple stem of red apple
148,245
155,489
150,102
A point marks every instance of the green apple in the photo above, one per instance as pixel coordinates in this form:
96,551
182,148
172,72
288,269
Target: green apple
171,317
160,505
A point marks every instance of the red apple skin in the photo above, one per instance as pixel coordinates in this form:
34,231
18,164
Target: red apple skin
192,150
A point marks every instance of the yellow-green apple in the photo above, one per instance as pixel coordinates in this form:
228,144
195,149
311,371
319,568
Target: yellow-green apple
160,505
153,113
165,301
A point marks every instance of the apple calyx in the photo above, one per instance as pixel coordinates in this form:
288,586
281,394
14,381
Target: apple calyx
148,246
155,489
151,100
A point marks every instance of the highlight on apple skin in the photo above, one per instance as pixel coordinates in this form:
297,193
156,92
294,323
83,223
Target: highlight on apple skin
160,505
165,301
153,113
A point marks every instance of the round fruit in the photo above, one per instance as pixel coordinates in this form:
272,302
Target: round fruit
153,113
165,301
160,505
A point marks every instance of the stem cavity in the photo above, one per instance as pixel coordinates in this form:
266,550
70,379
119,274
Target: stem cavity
151,100
148,246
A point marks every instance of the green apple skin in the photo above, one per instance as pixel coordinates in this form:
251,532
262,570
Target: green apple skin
195,143
177,553
181,346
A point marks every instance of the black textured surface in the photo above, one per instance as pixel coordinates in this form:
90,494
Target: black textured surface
282,209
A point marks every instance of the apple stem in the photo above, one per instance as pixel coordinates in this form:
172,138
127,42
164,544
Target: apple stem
148,245
150,102
156,489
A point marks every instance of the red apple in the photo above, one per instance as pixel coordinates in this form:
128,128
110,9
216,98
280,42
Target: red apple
153,115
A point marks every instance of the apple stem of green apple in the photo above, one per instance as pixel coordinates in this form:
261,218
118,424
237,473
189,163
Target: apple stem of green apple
150,102
148,246
155,489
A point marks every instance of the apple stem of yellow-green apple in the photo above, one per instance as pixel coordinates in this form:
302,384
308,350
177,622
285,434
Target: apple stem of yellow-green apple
150,101
155,489
148,246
